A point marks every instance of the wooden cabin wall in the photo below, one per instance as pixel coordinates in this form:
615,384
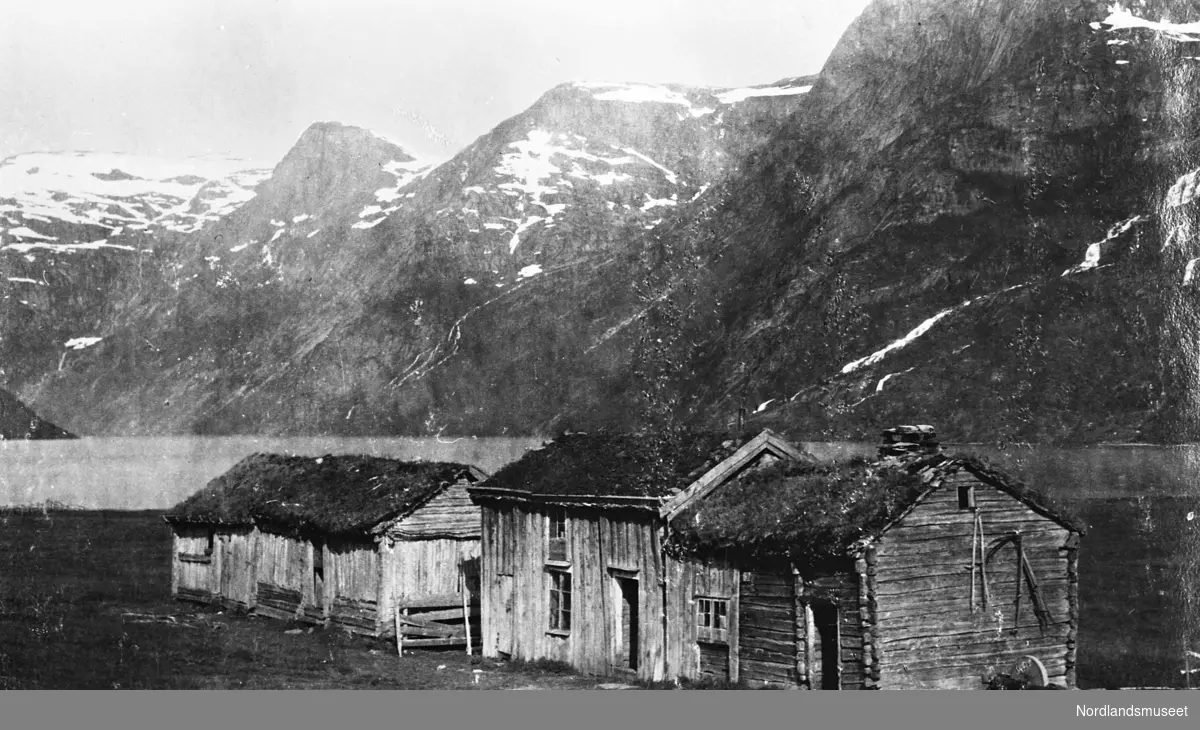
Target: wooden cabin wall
601,548
285,582
430,568
450,514
424,571
687,657
927,634
496,578
193,572
767,630
234,551
351,570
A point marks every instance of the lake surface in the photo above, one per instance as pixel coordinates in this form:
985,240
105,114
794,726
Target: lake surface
157,473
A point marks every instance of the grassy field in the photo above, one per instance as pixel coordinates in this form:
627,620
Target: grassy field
84,604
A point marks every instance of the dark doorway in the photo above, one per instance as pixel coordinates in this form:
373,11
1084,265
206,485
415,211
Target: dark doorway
627,649
825,621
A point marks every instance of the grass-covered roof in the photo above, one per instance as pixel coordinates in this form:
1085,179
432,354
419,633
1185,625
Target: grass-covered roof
812,512
616,465
331,494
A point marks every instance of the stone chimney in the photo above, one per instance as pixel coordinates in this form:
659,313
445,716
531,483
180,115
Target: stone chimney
909,440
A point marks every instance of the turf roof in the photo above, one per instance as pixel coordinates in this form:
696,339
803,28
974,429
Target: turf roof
617,465
810,512
331,494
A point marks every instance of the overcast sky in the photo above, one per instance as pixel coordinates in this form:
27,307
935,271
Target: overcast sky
245,77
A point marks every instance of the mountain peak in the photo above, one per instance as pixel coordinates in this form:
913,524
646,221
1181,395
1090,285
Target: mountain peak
330,134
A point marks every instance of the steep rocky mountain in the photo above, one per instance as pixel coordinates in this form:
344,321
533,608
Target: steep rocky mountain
356,271
978,215
73,223
983,221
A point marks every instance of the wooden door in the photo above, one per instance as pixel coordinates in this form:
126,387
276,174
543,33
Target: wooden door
627,620
506,616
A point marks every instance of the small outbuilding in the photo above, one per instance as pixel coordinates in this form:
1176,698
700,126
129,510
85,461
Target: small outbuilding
352,541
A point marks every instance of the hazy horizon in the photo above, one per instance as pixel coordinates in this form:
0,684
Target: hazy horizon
176,79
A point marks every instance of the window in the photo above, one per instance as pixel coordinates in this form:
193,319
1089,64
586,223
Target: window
966,497
712,620
560,601
556,534
212,535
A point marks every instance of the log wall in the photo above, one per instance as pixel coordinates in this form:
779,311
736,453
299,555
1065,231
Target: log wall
927,635
767,630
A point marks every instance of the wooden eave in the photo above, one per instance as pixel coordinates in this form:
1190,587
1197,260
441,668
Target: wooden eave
765,442
484,492
216,522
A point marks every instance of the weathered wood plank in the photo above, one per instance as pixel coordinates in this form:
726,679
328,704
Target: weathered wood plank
460,641
935,609
917,589
973,651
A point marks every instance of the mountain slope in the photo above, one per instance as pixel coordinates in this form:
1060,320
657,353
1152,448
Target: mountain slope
74,225
972,232
18,422
978,215
348,295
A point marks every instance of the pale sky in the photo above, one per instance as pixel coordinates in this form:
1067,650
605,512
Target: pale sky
246,77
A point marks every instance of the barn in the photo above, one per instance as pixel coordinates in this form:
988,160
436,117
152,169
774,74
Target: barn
743,559
573,567
351,541
916,570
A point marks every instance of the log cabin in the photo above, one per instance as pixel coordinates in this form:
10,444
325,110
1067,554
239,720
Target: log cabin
746,561
917,570
347,541
573,567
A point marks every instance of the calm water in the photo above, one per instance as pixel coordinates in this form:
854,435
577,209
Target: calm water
156,473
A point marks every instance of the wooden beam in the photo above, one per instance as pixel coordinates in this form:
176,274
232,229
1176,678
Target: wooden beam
442,631
710,480
434,642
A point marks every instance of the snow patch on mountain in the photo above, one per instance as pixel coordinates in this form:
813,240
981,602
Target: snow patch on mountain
671,177
733,96
103,189
917,331
652,203
405,173
1091,257
26,232
1184,190
81,343
1120,18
